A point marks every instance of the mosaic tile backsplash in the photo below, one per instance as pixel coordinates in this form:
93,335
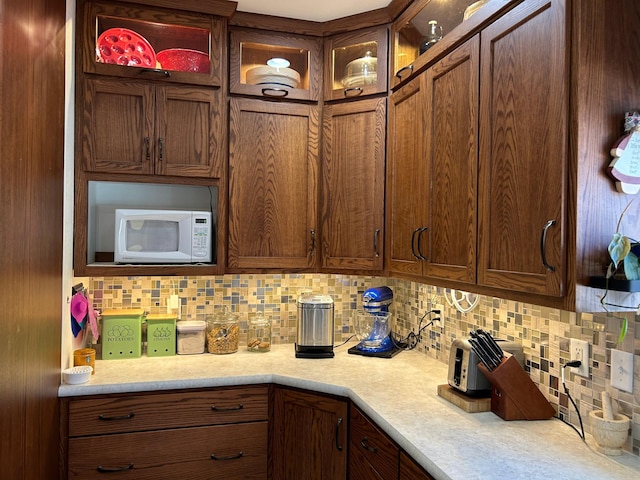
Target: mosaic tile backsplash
544,333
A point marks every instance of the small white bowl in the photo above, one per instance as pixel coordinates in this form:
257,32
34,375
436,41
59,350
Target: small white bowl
77,375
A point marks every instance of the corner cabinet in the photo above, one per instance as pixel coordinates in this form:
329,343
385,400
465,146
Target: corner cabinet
354,140
495,170
141,128
433,165
309,436
273,177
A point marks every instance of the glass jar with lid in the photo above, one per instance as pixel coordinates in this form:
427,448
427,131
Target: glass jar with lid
259,333
223,332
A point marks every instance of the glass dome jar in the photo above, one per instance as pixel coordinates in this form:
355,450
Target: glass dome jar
223,332
259,333
361,71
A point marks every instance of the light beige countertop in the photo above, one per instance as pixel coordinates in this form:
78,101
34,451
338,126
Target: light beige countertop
400,395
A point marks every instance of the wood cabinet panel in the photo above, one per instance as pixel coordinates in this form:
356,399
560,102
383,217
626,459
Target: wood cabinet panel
214,452
273,175
138,128
410,470
131,413
523,149
371,445
406,185
309,436
353,179
118,127
451,139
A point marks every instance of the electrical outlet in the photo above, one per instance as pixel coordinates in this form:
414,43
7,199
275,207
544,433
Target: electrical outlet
622,370
579,350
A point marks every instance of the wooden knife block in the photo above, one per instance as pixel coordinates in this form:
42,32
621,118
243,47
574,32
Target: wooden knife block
514,396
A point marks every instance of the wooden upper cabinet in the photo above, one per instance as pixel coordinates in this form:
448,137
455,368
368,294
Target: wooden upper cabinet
356,64
407,184
354,136
433,158
138,41
448,241
523,150
275,65
141,128
273,177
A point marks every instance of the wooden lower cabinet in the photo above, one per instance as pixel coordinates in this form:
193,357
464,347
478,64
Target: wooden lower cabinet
410,470
214,452
309,436
372,454
202,434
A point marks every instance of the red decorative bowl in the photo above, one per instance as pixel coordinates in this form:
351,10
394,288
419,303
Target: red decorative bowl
121,46
183,60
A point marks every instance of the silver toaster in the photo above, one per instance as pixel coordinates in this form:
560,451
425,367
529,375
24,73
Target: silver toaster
464,374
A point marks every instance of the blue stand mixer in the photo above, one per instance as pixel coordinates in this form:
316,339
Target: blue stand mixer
372,324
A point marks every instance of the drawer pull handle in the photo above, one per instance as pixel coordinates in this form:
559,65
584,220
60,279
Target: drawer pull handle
226,409
102,469
402,70
155,71
117,417
352,91
365,444
543,245
338,445
230,457
274,92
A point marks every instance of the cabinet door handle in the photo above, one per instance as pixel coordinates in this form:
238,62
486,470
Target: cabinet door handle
240,406
420,255
338,446
413,243
160,148
166,73
229,457
365,444
313,242
543,245
352,91
147,144
117,417
102,469
401,71
275,92
376,234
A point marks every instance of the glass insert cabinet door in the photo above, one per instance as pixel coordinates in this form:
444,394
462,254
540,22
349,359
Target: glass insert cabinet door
356,63
141,42
426,22
275,65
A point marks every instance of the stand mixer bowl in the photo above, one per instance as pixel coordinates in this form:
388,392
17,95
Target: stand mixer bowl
372,330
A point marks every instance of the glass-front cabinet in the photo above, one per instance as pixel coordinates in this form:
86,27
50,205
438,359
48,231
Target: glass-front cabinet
356,63
275,65
144,43
427,22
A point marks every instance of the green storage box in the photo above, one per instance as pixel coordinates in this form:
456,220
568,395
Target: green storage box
161,334
122,333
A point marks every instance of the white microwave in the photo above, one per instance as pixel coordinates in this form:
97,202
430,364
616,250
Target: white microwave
162,236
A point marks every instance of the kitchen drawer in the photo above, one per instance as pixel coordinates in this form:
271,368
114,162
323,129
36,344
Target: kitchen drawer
360,468
135,413
372,444
240,452
410,470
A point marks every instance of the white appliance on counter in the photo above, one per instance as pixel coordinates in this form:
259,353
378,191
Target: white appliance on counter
162,236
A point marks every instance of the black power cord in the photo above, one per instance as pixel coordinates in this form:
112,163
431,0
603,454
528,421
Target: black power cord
413,338
572,363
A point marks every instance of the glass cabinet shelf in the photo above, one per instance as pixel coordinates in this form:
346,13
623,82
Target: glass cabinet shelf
356,64
181,47
274,65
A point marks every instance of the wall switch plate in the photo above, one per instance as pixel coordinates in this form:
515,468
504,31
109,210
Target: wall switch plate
622,370
579,350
